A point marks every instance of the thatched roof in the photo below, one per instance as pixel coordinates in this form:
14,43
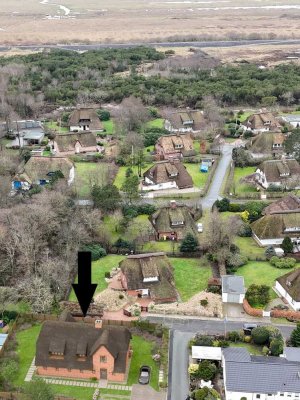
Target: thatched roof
139,267
68,141
273,225
74,338
261,120
179,118
291,283
167,171
287,204
164,220
88,115
184,140
38,168
273,169
262,143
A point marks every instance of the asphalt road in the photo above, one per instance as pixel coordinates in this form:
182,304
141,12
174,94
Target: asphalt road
201,44
182,330
219,176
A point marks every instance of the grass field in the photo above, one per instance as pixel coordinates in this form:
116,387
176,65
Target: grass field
249,247
199,178
87,174
142,356
165,245
121,175
99,268
109,127
261,273
55,127
191,276
240,173
156,123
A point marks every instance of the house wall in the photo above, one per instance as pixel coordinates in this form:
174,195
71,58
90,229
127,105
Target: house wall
294,304
160,186
79,128
262,396
66,373
267,242
225,298
168,235
71,176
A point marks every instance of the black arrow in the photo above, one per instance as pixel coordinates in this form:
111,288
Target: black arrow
84,289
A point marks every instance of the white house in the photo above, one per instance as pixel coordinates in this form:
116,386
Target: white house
285,173
183,121
288,286
261,122
250,377
84,119
233,289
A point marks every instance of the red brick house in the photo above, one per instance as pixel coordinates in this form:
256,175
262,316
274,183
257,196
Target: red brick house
150,276
81,351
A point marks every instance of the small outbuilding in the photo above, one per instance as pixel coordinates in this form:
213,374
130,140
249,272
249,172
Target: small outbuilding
233,289
200,353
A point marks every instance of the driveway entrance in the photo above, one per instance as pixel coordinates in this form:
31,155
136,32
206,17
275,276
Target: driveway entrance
142,392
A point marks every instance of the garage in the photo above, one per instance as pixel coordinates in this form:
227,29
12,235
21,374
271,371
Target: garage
233,289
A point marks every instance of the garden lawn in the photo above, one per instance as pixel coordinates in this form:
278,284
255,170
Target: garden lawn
164,245
249,247
26,340
252,348
199,178
155,123
191,276
240,173
121,175
99,268
142,356
55,127
261,273
244,116
87,174
109,127
78,393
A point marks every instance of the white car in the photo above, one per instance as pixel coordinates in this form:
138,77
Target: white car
200,227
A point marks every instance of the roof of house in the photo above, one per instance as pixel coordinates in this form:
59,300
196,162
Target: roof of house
38,167
292,353
178,118
287,204
137,268
168,142
273,225
166,171
259,374
258,121
86,114
233,284
68,141
76,338
207,353
164,218
291,283
262,143
273,168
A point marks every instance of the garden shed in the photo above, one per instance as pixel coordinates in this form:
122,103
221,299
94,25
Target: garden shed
206,353
233,289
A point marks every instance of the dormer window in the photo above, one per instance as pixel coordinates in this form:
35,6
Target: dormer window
57,348
178,146
81,350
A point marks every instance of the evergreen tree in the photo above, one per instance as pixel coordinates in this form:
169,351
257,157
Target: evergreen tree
189,244
295,336
270,252
131,187
287,245
107,198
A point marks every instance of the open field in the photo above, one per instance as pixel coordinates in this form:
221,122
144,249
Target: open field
46,21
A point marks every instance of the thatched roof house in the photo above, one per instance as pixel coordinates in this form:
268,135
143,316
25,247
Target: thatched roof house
38,170
175,146
266,144
84,119
74,143
150,275
174,221
79,350
271,229
185,121
288,204
167,175
262,122
284,172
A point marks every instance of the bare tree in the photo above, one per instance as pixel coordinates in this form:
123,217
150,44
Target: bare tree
213,116
131,115
37,293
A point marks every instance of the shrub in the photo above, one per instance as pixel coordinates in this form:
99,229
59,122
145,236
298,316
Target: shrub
276,347
287,245
234,336
204,302
205,394
274,188
207,370
270,252
283,263
203,340
245,230
247,339
258,295
234,207
96,249
107,275
234,261
265,350
222,205
260,335
214,289
104,115
121,296
295,336
189,243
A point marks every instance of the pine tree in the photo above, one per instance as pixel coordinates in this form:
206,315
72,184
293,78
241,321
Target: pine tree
295,336
287,245
189,244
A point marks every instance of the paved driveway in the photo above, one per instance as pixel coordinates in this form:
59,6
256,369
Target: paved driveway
145,392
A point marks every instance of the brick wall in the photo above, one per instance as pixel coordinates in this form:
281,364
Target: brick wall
254,312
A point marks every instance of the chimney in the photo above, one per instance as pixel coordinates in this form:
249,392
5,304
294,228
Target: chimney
98,323
173,204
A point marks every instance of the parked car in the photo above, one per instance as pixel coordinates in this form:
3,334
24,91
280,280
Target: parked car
144,377
247,328
199,227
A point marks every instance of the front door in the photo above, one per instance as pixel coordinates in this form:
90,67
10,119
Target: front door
103,374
